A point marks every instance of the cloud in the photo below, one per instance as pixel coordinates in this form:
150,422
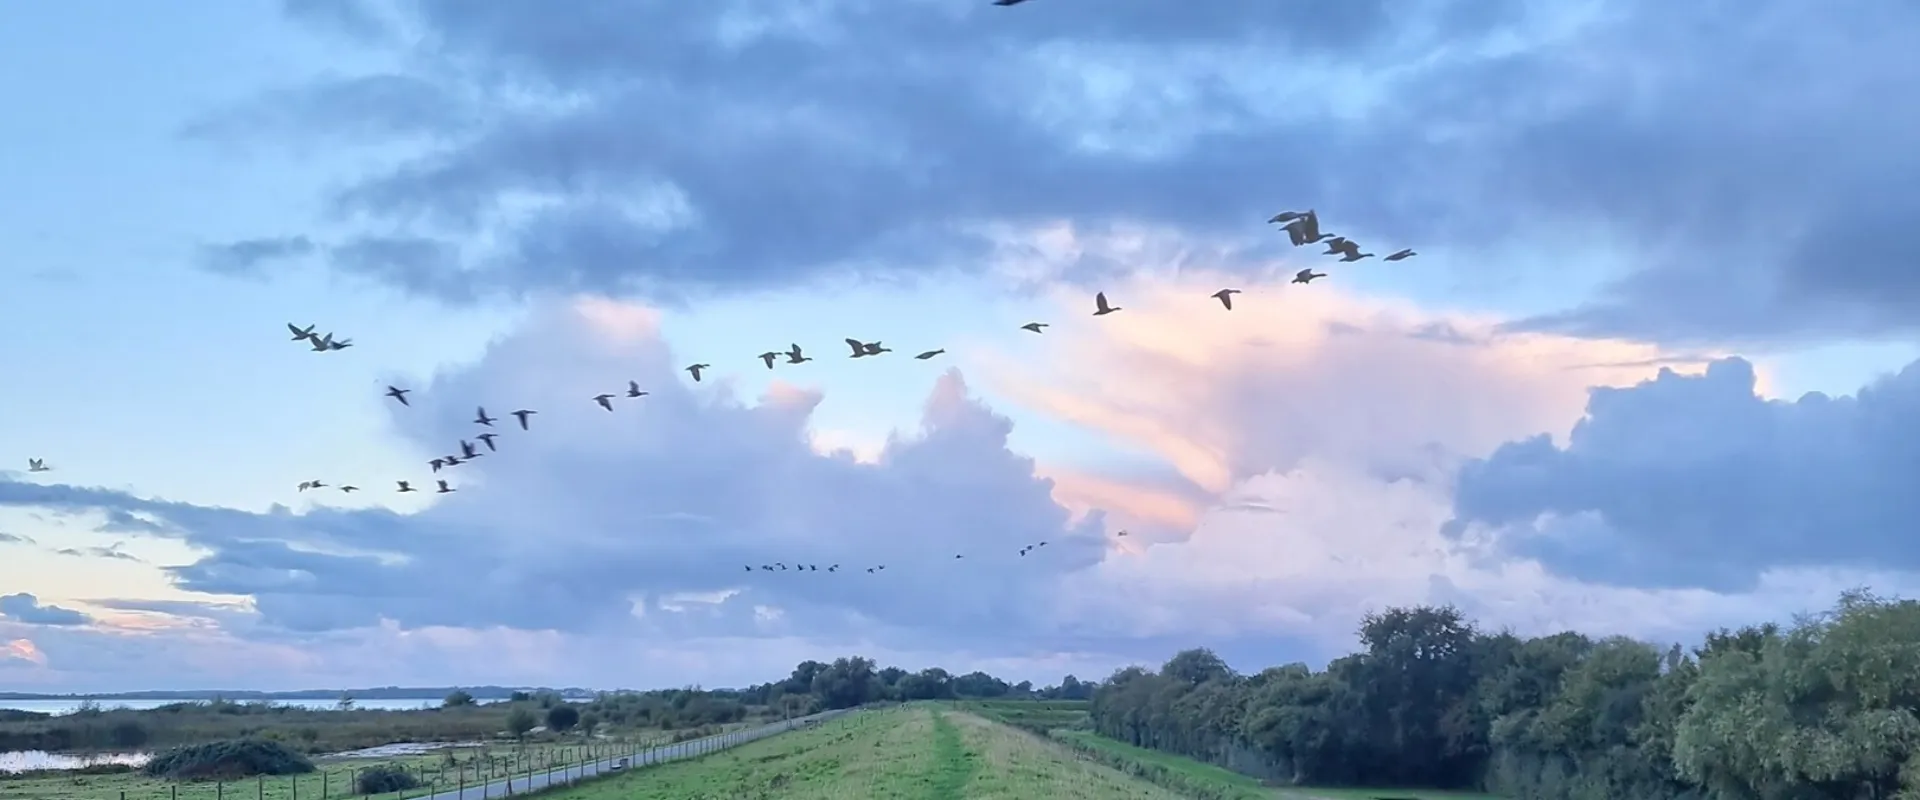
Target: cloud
251,257
897,136
1698,481
13,538
22,650
595,522
26,608
112,551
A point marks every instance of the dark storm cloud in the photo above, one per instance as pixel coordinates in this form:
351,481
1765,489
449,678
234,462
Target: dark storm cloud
26,608
1696,481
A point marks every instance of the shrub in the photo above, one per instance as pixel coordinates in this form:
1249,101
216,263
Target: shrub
382,778
237,758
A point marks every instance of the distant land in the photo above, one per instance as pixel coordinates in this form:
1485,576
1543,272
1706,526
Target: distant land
379,693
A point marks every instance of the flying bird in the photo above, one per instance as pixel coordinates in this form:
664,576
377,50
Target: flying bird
340,345
488,438
444,488
1288,216
1339,245
437,464
406,486
38,465
1008,2
305,485
1305,229
321,344
769,356
694,370
399,394
300,334
1402,255
1225,296
453,461
1100,307
874,349
1121,533
859,348
1033,326
480,417
794,356
349,489
1307,276
468,451
522,415
605,401
1352,256
929,354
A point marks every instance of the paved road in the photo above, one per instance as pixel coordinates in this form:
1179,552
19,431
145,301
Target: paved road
692,748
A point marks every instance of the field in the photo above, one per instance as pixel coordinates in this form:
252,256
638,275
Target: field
912,752
1036,716
334,778
1191,777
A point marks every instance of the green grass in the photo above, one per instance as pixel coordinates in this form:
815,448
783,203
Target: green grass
335,776
1038,716
912,752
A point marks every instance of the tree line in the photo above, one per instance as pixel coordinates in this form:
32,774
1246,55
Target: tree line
1827,708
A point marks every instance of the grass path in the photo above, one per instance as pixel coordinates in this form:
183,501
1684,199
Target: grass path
954,764
1017,765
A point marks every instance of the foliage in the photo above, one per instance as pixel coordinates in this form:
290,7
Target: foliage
239,758
383,778
458,698
519,721
562,718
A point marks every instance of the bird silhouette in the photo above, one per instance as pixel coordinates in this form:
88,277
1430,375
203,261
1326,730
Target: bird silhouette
633,389
321,344
1225,296
349,489
1339,245
480,417
399,394
1307,276
468,451
444,488
874,349
929,354
605,401
694,370
1356,256
340,345
1033,326
38,465
406,486
768,357
522,415
794,356
305,485
1401,256
300,334
1008,2
859,348
488,439
453,461
437,464
1100,307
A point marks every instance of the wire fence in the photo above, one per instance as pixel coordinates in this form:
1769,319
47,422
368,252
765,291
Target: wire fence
508,774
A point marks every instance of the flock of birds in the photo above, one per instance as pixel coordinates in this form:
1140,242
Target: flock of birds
1301,227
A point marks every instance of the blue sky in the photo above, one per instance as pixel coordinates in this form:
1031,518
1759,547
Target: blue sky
472,196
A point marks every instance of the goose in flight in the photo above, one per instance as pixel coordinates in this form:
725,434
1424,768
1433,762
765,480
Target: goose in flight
305,485
321,344
406,486
522,415
1033,326
605,401
768,357
794,356
859,348
444,488
874,349
468,451
1225,296
349,489
488,439
453,461
1338,245
1305,229
1100,307
300,334
340,345
38,465
749,569
694,370
1008,2
633,389
1400,256
1121,533
1307,276
480,417
399,394
1287,216
1354,256
929,354
437,464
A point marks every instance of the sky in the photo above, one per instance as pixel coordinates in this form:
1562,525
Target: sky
1651,371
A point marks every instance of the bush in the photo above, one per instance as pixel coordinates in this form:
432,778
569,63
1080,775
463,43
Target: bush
384,778
238,758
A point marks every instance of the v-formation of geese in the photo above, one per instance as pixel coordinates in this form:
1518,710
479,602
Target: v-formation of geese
1302,228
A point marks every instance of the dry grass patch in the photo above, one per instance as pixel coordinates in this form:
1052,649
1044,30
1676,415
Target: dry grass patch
1017,765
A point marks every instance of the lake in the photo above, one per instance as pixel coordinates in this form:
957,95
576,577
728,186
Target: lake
68,705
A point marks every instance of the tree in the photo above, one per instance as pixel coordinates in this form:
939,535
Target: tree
459,698
588,722
562,717
519,721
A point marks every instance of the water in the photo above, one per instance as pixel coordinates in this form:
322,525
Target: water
69,705
27,760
